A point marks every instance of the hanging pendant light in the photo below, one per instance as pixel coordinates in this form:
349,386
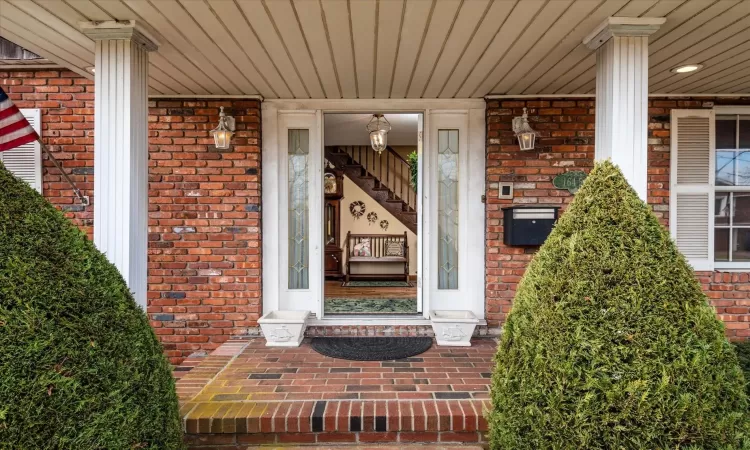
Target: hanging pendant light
525,134
224,132
379,128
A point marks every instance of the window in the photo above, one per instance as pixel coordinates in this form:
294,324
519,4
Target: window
732,189
448,209
299,217
709,205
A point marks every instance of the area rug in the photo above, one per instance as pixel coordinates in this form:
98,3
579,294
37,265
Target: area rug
371,348
376,284
370,305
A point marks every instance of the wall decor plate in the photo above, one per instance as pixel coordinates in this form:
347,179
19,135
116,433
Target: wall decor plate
357,209
384,225
372,217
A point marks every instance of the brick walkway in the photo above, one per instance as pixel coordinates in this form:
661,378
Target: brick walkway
247,394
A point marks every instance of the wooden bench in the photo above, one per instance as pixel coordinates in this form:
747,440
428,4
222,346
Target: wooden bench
379,244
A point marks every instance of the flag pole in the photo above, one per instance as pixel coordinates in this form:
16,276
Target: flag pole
82,198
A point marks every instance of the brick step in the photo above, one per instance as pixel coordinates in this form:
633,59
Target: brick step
372,447
210,425
245,393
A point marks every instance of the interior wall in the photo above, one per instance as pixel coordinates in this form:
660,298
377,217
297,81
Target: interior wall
353,193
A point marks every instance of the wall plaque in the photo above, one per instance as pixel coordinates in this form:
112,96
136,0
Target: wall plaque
571,181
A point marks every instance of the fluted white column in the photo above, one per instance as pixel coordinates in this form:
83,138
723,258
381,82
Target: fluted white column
621,45
121,148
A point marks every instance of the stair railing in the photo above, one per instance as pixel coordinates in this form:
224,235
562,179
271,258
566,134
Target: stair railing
390,168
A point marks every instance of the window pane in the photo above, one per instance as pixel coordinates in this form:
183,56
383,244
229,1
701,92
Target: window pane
448,209
299,230
743,168
745,132
741,208
721,244
721,210
725,163
741,244
726,132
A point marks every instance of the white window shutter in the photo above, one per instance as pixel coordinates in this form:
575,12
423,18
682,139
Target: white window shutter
25,161
692,185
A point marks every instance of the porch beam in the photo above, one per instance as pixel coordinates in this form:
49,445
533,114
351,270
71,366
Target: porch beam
621,45
121,148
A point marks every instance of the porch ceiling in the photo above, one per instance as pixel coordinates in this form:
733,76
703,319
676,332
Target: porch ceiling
392,48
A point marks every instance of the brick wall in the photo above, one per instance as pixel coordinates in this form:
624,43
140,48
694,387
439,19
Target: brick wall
566,142
204,204
204,224
66,100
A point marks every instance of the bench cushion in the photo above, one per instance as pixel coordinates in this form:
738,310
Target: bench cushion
390,259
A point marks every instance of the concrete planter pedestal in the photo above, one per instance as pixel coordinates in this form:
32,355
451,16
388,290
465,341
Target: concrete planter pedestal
453,328
285,328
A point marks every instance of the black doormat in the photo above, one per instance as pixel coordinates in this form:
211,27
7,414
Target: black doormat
371,348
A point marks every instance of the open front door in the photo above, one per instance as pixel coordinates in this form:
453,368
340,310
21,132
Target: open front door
454,213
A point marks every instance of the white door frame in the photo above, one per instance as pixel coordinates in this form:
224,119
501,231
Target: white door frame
275,120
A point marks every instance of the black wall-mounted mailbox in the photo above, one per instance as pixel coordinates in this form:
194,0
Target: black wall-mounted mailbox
528,225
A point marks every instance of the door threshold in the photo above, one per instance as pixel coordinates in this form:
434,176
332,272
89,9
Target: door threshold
370,320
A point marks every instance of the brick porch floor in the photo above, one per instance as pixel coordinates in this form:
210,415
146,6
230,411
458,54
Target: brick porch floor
246,394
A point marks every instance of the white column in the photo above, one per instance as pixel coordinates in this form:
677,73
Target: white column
121,148
621,45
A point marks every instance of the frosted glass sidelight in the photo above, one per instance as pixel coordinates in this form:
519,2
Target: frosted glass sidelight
299,217
448,209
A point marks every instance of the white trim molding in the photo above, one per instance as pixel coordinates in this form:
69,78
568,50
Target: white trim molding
621,46
650,95
127,30
622,27
278,116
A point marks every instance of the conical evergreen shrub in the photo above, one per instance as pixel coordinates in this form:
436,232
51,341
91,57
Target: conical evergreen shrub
80,367
611,343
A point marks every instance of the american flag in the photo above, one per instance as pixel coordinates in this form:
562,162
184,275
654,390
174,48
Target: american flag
15,130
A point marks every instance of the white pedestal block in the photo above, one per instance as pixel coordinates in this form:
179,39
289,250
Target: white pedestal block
284,328
453,328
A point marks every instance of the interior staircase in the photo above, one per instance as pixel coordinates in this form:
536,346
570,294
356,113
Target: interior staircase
385,178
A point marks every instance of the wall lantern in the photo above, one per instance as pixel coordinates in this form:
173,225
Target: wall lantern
224,132
526,136
379,128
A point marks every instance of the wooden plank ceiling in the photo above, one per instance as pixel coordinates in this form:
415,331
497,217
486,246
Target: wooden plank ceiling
392,48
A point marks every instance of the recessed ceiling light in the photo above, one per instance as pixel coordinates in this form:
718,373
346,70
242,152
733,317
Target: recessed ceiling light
91,69
687,68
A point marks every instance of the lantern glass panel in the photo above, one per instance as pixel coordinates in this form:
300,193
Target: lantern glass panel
222,138
526,140
379,140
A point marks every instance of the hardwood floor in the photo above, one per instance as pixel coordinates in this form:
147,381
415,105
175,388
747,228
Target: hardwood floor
333,289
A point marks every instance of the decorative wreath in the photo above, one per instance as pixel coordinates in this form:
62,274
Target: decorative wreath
384,225
372,217
357,209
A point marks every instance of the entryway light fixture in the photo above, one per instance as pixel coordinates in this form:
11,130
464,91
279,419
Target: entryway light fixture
378,128
526,136
224,132
687,68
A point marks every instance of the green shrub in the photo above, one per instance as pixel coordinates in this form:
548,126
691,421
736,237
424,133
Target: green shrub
611,343
80,367
743,354
413,160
